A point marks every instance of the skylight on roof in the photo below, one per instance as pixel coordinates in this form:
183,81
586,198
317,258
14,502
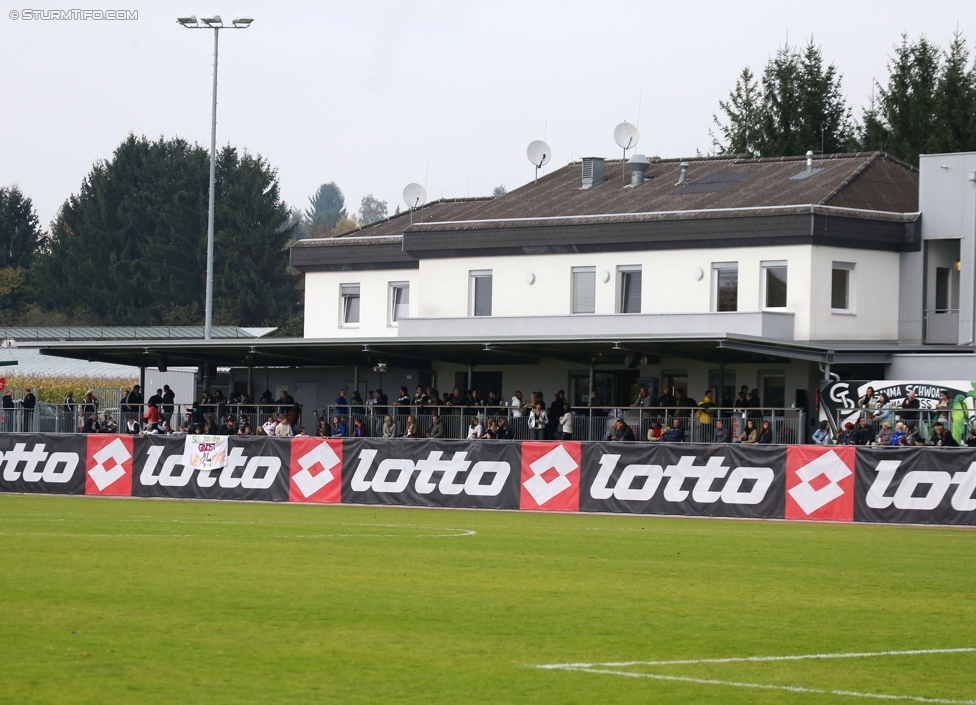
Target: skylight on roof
805,173
712,183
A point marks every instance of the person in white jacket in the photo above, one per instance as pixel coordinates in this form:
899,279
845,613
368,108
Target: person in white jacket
538,418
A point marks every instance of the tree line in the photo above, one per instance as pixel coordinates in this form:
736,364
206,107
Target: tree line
926,105
130,247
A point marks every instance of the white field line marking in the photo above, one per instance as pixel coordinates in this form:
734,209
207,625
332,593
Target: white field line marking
769,686
745,659
460,532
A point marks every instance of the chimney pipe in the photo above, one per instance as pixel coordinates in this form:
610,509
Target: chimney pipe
637,164
809,161
684,173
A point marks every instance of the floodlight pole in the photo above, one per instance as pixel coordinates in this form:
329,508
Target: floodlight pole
216,25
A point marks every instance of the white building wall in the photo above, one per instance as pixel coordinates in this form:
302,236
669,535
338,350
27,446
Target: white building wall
323,302
874,295
441,288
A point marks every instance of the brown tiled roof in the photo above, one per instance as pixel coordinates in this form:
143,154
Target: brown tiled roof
872,183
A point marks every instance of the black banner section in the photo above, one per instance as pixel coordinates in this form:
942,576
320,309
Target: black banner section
42,463
256,469
691,480
427,473
915,485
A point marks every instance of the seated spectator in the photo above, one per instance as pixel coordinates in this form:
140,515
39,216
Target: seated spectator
941,436
229,428
765,433
165,429
132,426
622,431
436,429
504,432
358,429
491,433
283,429
899,434
245,429
389,428
323,430
750,434
722,432
338,427
412,430
91,424
475,429
677,433
863,435
971,441
301,433
822,436
260,432
269,426
884,438
657,432
846,438
107,423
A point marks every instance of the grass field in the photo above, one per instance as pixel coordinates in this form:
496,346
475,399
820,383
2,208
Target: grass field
140,601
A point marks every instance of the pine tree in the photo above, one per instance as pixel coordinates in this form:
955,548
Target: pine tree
743,113
907,103
955,101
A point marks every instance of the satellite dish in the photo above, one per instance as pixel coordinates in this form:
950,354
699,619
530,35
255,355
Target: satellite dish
539,154
414,195
626,135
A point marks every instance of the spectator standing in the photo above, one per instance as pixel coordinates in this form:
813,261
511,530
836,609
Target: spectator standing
822,436
341,405
169,402
566,423
27,405
537,422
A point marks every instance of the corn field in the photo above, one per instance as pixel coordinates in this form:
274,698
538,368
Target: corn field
54,389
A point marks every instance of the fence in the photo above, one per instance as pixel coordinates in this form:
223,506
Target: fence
594,424
960,422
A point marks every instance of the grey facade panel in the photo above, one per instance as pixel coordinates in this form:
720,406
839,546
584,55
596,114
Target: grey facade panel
354,256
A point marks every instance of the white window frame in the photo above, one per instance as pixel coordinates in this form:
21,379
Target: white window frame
849,267
392,316
716,267
473,276
622,273
774,264
348,292
574,283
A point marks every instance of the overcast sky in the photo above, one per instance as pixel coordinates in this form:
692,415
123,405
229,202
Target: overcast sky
375,95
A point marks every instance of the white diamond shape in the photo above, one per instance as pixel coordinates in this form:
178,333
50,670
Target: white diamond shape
559,459
308,483
829,465
116,451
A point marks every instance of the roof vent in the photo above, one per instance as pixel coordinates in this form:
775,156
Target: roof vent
592,171
809,160
810,170
684,173
637,164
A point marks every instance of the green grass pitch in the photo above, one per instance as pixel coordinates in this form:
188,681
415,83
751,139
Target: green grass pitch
141,601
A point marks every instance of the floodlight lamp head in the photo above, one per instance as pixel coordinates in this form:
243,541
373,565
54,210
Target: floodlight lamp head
190,21
212,21
243,22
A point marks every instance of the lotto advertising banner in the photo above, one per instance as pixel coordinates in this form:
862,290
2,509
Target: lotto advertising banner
428,473
916,486
720,481
810,483
42,464
254,468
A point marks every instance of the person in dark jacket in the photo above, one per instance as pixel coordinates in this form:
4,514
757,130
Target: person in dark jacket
27,404
722,433
622,431
677,433
941,436
863,435
765,433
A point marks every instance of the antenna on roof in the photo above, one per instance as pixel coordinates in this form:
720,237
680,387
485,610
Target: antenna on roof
539,154
626,136
414,195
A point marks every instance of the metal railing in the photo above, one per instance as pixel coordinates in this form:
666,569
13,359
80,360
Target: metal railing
589,424
921,420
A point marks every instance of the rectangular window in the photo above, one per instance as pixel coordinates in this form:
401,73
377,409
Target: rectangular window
629,289
725,280
481,292
840,286
774,284
584,290
399,301
350,304
941,289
